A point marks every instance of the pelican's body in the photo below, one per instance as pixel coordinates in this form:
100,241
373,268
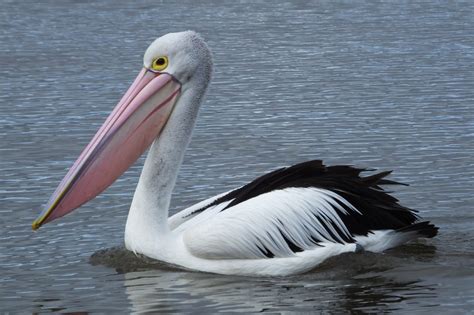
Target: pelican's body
285,222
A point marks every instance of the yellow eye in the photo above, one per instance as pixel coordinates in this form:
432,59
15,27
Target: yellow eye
160,63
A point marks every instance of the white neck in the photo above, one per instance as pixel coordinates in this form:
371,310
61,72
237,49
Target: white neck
147,220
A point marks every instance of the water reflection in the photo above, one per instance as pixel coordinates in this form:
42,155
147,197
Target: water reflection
365,282
164,291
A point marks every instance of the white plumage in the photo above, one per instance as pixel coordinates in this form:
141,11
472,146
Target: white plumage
261,224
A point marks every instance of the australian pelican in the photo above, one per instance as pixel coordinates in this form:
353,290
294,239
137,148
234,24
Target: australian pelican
285,222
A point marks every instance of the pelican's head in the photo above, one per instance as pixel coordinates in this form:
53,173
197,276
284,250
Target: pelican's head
184,55
173,63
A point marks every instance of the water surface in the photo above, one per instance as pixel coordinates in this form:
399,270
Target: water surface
383,85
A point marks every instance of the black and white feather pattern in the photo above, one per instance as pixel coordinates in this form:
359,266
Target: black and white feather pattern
295,209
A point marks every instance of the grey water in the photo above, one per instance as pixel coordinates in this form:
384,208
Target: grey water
386,85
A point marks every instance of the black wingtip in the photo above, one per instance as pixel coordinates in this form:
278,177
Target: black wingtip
424,229
379,179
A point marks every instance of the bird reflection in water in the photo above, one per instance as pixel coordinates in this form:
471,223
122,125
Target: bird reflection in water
363,282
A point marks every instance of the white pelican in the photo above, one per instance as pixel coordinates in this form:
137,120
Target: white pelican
285,222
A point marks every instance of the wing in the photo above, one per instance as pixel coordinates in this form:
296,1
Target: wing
292,210
187,214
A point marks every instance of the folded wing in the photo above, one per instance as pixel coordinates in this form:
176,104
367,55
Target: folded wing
292,210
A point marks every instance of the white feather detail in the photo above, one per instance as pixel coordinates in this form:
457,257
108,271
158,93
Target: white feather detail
268,223
185,215
381,240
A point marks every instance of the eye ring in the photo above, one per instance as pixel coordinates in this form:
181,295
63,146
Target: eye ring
159,63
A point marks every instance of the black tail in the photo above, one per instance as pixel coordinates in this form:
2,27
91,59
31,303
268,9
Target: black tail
422,229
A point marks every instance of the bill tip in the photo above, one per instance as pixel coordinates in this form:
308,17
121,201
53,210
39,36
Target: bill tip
35,225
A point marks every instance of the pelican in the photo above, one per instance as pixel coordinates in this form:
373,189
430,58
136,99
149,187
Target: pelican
283,223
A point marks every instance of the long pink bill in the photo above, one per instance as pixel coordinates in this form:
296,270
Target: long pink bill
129,130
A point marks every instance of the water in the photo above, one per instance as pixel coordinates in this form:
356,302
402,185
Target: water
385,85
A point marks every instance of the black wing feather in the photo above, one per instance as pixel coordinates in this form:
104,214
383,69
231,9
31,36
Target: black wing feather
378,210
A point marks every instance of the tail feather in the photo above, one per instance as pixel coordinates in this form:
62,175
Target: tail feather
422,229
381,240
